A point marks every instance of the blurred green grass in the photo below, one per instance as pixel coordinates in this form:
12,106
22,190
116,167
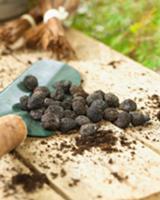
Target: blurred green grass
131,27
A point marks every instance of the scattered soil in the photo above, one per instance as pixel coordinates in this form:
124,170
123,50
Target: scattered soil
29,183
115,63
110,161
153,101
103,139
63,173
74,182
118,177
54,175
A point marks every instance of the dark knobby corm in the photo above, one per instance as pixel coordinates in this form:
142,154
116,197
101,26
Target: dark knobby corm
70,114
67,103
94,114
88,129
50,102
69,107
100,92
100,104
96,109
112,100
128,105
50,121
37,114
42,90
110,114
79,98
24,102
138,118
30,82
64,84
79,107
58,95
67,124
56,110
77,91
82,119
123,120
35,101
97,95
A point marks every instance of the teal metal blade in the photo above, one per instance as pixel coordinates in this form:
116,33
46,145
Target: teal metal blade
48,72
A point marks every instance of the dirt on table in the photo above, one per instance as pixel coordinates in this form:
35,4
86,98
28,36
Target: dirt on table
29,182
104,139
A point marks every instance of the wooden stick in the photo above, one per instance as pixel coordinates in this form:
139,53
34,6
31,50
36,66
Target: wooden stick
13,132
12,30
50,36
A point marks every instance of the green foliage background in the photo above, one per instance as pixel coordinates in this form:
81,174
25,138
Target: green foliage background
132,27
129,26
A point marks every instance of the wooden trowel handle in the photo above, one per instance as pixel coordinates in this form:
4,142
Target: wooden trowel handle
13,132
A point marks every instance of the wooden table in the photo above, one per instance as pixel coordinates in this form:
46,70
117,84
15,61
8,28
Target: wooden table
140,172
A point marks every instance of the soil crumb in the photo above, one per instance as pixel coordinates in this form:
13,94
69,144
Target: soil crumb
74,182
28,182
119,177
104,139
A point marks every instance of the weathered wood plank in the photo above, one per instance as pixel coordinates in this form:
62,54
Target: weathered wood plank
139,171
9,167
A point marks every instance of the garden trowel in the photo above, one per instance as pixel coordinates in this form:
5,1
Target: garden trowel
16,124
